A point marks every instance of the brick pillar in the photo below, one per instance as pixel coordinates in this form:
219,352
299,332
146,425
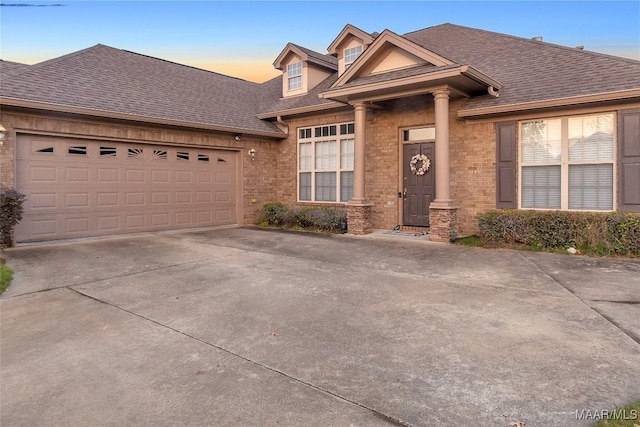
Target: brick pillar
442,222
359,218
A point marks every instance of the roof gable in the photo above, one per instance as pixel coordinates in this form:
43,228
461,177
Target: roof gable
306,55
347,32
384,51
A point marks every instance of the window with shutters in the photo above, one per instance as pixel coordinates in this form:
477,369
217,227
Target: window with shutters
567,163
325,163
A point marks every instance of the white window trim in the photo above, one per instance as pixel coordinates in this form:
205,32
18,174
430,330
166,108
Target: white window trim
564,163
339,138
348,64
293,76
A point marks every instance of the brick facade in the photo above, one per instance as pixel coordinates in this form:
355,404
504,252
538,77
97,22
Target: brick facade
273,174
258,178
472,156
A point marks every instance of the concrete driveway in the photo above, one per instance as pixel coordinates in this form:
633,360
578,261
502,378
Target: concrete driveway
244,326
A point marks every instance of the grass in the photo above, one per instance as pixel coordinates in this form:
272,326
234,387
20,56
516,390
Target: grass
6,274
627,416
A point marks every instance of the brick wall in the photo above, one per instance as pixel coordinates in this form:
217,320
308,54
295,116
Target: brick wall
472,157
259,177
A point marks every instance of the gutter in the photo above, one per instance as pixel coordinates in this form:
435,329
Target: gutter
49,106
551,103
301,110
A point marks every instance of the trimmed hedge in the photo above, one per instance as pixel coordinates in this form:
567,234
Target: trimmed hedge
10,214
607,233
322,218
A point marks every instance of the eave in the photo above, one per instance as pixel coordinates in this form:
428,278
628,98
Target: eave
301,110
465,79
47,106
573,101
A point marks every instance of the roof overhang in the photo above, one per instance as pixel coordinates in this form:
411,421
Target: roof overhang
463,79
47,106
549,104
292,49
301,110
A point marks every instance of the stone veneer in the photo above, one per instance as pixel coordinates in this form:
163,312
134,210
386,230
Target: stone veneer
359,218
442,223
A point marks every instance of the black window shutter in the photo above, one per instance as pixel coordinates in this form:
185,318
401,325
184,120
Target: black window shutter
629,160
506,164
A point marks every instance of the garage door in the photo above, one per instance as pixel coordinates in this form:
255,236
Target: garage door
78,188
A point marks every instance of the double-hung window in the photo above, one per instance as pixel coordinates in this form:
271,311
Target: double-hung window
294,76
325,163
350,55
567,163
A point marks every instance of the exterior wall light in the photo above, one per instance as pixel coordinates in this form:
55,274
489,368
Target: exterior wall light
3,135
252,154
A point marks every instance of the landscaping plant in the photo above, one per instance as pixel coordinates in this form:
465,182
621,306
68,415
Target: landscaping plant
11,211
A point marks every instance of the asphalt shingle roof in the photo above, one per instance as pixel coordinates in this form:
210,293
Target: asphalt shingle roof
309,99
113,80
7,67
529,70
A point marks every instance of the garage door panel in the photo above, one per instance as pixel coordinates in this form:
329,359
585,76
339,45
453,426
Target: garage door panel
108,223
40,201
134,175
160,219
160,198
108,175
184,218
106,199
79,225
183,177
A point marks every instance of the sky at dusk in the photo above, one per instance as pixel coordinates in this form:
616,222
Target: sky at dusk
243,38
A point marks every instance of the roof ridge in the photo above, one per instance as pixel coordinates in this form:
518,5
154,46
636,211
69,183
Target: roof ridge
529,40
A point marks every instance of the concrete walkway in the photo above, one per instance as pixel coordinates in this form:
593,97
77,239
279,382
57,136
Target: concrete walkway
244,326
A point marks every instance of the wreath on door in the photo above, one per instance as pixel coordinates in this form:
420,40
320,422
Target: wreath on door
424,167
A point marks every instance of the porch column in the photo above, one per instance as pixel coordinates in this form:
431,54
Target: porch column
442,213
358,208
359,152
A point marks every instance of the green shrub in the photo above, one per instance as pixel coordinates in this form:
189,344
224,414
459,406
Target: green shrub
10,214
321,218
606,233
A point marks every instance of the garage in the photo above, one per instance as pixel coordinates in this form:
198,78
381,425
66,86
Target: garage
81,187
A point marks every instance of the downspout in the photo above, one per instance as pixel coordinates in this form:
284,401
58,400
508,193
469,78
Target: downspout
493,91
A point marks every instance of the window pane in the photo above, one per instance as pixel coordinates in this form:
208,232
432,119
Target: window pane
305,186
326,186
346,186
305,157
541,141
346,154
351,55
591,138
591,187
541,187
295,83
294,69
421,134
326,155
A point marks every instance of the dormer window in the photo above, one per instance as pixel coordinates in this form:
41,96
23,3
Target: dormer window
294,76
350,55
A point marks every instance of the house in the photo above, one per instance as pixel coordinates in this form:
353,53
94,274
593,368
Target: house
425,129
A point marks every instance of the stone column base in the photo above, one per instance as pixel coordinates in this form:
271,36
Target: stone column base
442,222
359,218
